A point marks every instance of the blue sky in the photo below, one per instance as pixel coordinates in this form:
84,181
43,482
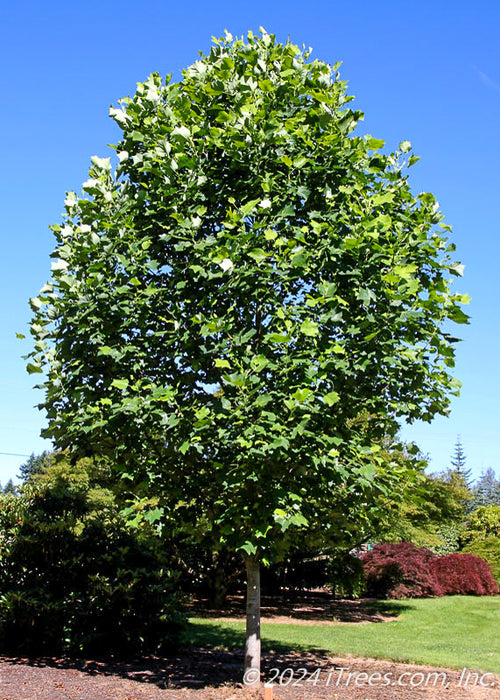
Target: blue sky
423,71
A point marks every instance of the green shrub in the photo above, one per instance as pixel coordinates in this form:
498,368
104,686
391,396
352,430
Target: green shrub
483,522
75,579
347,577
449,534
488,548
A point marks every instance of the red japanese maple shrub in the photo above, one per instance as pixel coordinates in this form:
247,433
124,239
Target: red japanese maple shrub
464,574
400,571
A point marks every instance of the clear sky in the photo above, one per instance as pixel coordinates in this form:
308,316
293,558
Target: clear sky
424,71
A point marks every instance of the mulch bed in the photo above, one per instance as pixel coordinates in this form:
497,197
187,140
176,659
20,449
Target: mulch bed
215,674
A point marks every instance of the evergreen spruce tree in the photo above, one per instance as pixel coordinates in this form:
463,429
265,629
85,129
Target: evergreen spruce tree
458,463
10,488
487,489
36,464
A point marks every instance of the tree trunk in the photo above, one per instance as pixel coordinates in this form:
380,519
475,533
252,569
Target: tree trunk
218,589
218,579
251,675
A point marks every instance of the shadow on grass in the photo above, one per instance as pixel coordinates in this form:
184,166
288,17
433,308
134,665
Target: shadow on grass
388,608
308,606
220,637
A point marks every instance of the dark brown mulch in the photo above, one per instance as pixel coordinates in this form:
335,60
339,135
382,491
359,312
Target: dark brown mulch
214,675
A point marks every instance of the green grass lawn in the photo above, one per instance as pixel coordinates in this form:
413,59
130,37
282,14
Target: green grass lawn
454,631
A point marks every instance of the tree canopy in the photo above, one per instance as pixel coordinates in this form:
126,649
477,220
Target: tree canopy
249,302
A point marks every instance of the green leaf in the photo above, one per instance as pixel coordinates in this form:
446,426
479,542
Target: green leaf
249,548
105,350
154,515
458,316
182,131
299,161
184,447
235,379
457,269
120,383
219,362
249,207
309,328
329,289
258,254
331,398
299,519
33,369
287,211
375,144
301,394
384,198
299,260
405,271
278,338
258,363
364,295
280,442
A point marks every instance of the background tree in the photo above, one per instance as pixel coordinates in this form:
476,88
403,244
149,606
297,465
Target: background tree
9,488
229,305
431,515
483,522
35,464
481,536
458,463
486,491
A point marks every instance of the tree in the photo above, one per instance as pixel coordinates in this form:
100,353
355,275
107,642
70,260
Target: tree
431,516
9,488
486,491
242,310
458,463
36,464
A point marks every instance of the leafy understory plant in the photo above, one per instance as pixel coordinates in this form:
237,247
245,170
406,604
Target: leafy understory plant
243,307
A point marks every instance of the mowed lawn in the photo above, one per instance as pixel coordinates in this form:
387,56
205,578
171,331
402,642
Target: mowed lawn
454,632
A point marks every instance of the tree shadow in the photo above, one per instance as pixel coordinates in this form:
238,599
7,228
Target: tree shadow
193,667
312,606
213,655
